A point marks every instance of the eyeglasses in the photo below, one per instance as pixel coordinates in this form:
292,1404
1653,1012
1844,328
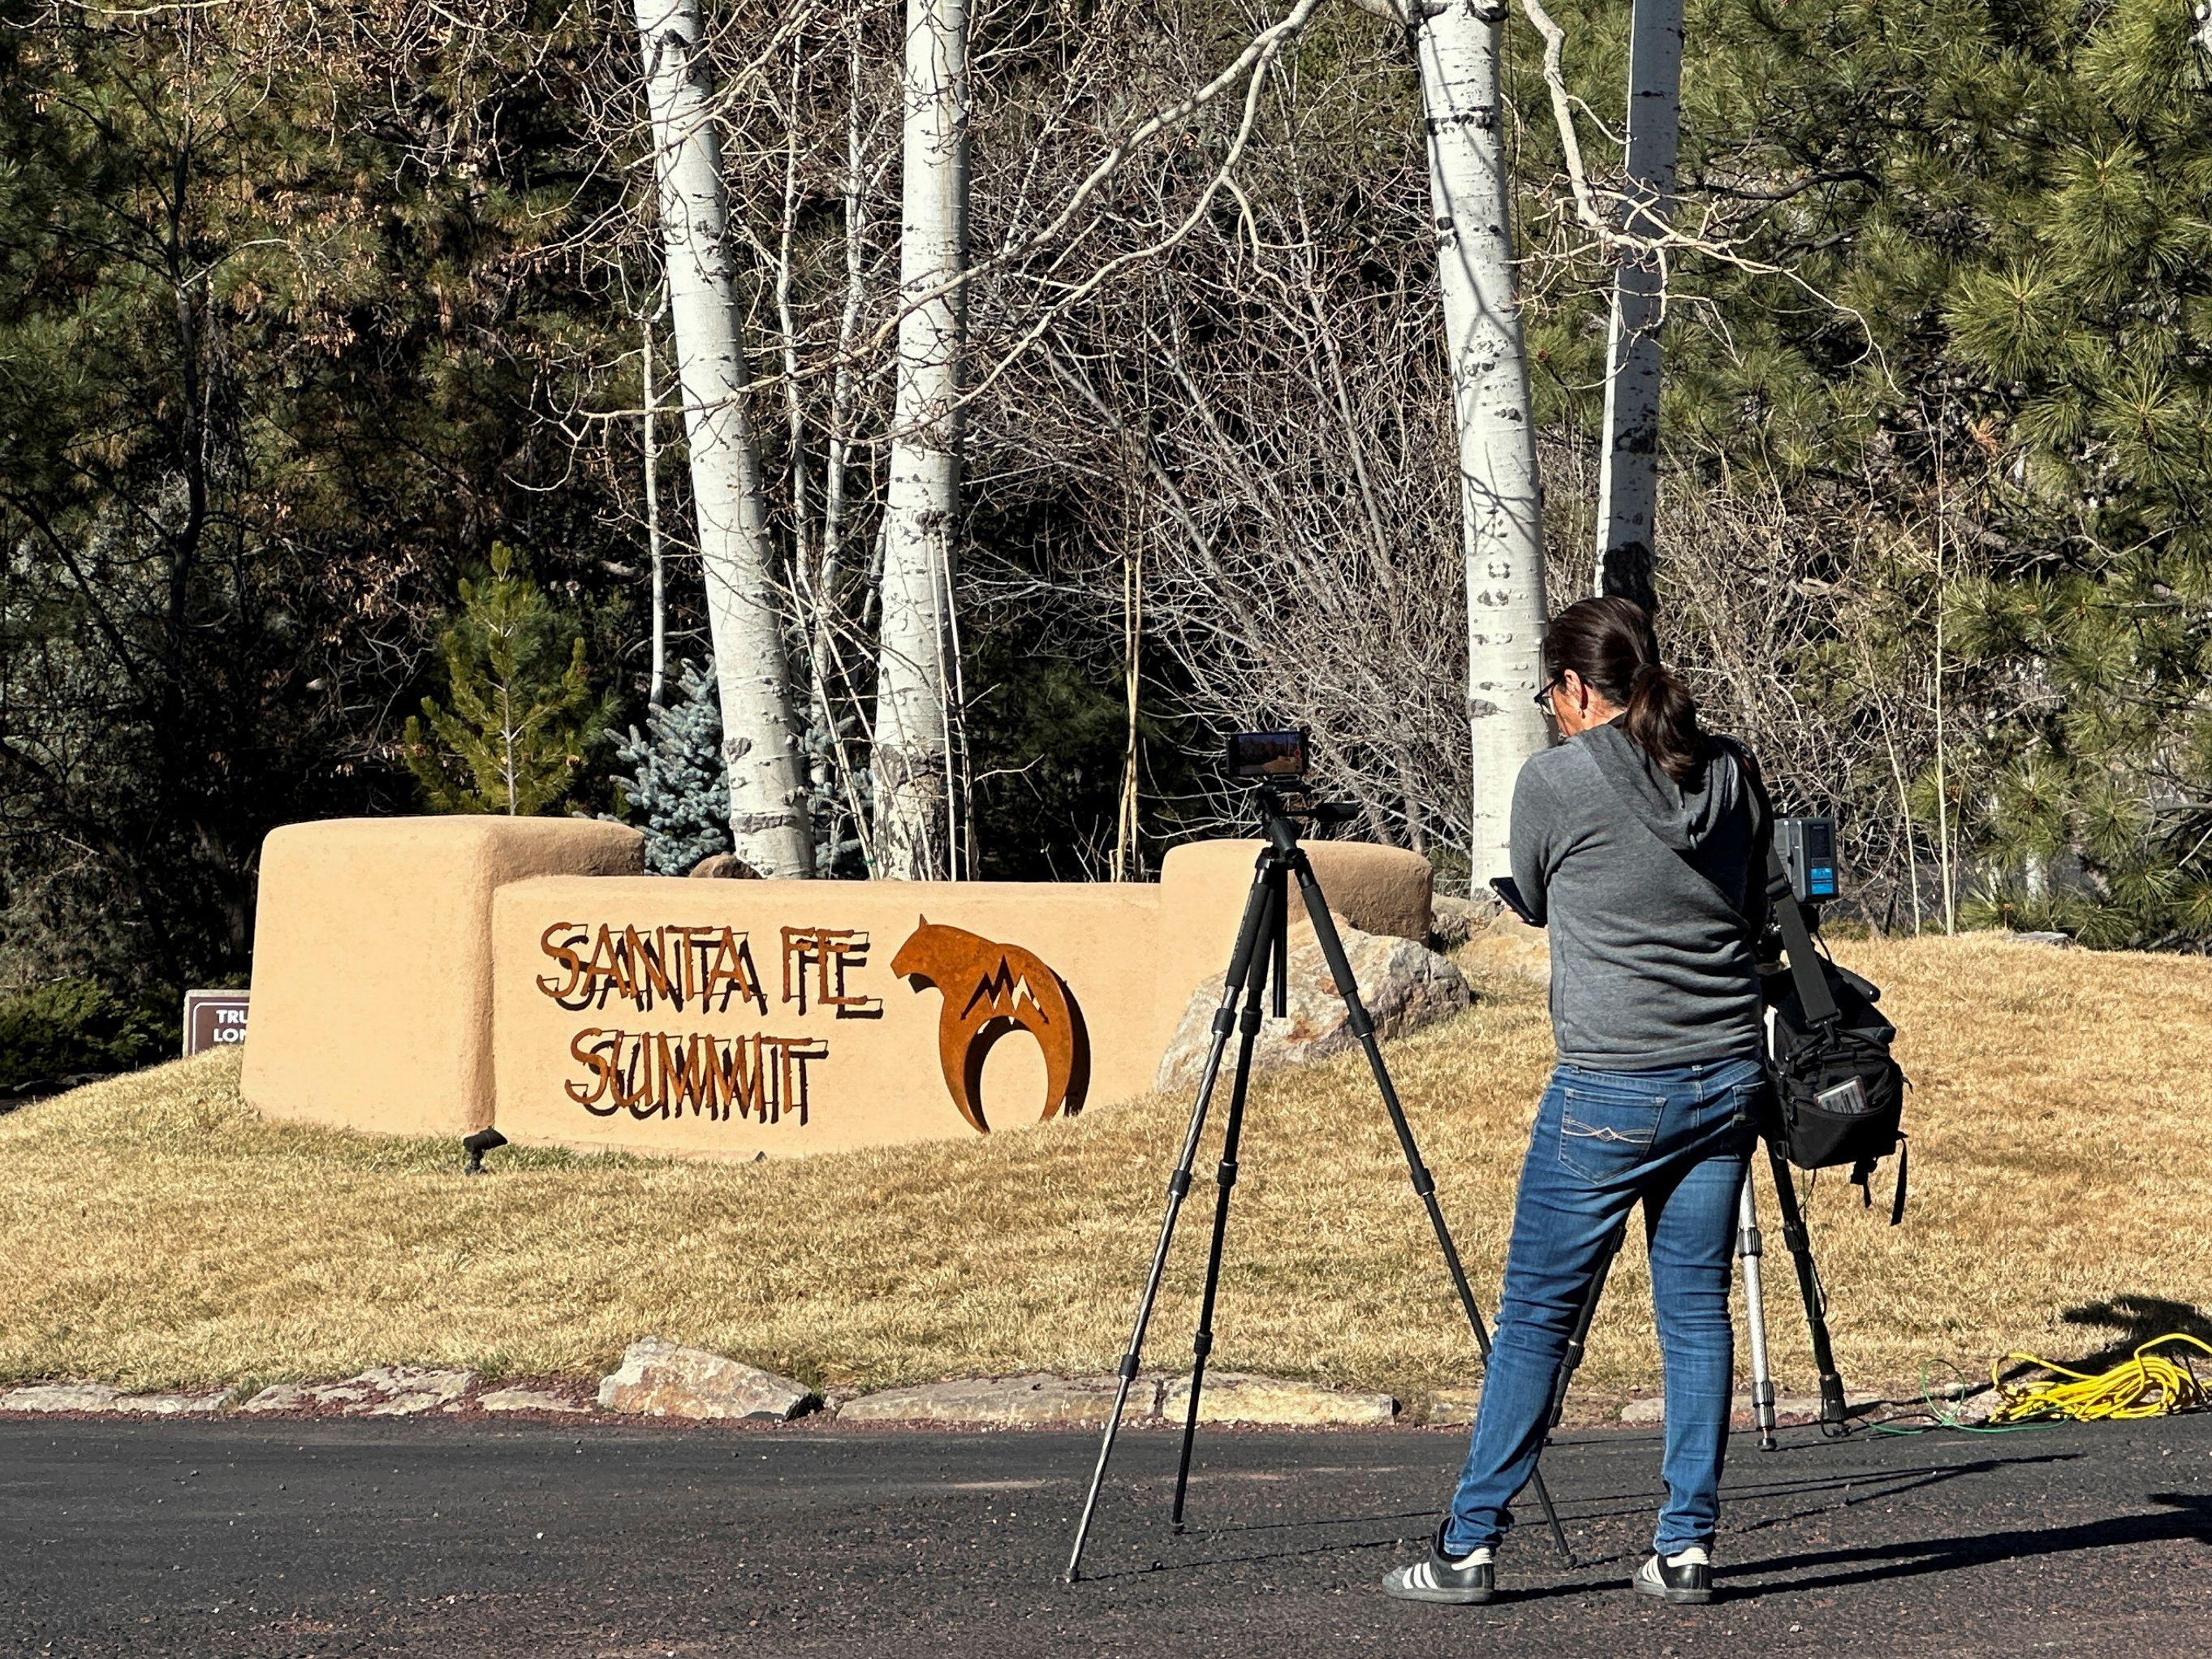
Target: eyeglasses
1543,698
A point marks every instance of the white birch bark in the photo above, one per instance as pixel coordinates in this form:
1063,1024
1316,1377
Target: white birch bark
827,658
1628,467
910,763
769,827
649,425
1501,531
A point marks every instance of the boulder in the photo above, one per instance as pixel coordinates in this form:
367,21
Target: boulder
171,1404
724,867
1405,987
1453,921
1973,1409
105,1397
1788,1408
1239,1397
1450,1407
278,1397
660,1378
61,1397
1507,944
1039,1399
526,1399
382,1391
402,1381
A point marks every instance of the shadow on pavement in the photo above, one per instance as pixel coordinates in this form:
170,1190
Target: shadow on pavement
1869,1483
1158,1568
1872,1485
2191,1519
1858,1486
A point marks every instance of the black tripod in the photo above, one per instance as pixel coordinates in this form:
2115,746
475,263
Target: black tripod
1261,954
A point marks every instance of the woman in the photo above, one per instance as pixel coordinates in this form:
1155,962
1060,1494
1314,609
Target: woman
1634,842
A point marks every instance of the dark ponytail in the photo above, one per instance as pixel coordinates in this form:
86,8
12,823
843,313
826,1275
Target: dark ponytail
1610,645
1662,721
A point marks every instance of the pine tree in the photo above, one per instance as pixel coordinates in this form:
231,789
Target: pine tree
524,717
677,785
2007,208
2088,322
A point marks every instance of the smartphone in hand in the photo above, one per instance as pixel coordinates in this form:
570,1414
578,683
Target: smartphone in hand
1509,891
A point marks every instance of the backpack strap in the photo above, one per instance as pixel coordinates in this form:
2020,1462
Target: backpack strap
1813,992
1862,1176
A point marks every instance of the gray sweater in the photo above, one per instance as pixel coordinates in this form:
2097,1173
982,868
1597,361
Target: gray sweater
1651,967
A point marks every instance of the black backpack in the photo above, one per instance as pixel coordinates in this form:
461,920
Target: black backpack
1839,1098
1836,1095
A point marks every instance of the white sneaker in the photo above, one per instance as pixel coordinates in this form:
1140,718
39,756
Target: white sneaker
1684,1578
1463,1580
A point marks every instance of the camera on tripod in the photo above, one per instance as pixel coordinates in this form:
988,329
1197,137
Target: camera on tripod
1267,755
1275,764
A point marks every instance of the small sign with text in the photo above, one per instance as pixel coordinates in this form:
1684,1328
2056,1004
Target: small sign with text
213,1019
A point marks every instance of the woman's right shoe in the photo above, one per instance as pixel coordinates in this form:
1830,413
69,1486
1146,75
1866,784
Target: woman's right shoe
1464,1581
1685,1577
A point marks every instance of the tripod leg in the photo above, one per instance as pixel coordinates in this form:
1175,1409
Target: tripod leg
1424,1185
1833,1409
1225,1019
1201,1344
1579,1339
1749,1249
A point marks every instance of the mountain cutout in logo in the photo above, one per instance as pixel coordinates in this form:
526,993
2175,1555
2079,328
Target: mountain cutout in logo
990,989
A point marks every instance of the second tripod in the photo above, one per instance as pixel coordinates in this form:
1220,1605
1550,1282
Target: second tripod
1260,960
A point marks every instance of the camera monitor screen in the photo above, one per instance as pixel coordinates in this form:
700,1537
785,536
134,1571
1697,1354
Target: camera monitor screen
1267,753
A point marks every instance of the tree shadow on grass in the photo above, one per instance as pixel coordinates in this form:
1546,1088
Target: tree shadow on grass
2137,1320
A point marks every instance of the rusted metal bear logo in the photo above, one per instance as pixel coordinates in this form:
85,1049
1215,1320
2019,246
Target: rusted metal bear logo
990,989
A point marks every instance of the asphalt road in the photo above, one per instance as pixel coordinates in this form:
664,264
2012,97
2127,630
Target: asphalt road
464,1539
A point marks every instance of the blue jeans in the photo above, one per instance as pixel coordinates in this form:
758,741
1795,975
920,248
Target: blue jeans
1679,1140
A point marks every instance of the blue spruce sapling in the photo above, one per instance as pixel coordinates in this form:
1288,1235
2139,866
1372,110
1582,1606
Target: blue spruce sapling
676,789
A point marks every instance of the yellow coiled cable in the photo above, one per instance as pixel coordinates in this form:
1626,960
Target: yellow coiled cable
2148,1385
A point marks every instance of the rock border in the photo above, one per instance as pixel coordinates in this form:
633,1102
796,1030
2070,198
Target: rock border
660,1379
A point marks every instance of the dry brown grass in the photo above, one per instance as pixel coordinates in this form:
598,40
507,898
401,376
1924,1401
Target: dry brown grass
154,1231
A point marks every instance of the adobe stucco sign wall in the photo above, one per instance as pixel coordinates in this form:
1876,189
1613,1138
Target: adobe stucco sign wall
437,976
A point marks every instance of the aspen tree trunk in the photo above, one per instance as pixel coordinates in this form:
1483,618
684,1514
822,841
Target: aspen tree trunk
1628,470
836,765
1501,531
769,827
650,430
914,806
